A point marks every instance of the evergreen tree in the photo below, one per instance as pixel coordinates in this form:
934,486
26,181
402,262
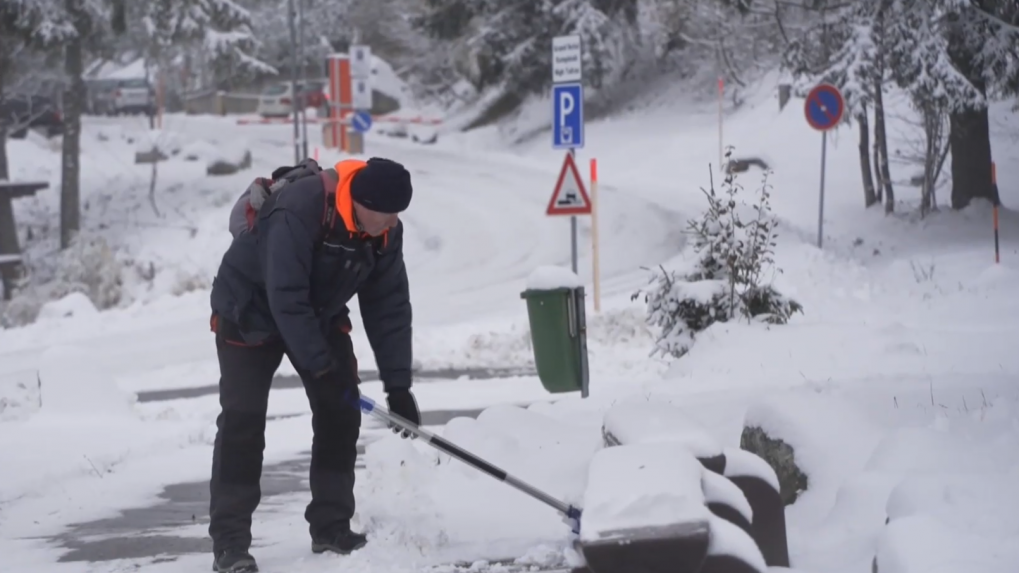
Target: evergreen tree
511,39
734,245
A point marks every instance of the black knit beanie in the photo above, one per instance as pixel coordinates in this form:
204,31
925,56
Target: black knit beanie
382,186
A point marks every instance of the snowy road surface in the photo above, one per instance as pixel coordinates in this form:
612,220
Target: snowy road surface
165,531
292,381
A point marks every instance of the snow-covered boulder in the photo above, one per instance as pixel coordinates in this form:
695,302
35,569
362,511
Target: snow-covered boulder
199,150
952,518
74,304
156,145
781,457
229,160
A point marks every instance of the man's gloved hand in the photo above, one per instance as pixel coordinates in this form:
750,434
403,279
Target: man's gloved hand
402,403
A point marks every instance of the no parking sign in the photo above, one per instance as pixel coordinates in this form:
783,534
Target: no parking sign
824,109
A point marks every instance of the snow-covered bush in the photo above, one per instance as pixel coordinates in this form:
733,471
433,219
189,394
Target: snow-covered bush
733,242
88,267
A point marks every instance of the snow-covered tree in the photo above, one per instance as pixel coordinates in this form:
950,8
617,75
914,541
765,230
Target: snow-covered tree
216,35
325,26
948,55
734,245
511,39
72,27
983,45
847,47
17,18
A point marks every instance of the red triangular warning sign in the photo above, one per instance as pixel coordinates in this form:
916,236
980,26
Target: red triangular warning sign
570,196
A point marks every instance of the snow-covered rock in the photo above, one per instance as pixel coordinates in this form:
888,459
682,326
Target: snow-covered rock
74,304
199,150
228,160
156,145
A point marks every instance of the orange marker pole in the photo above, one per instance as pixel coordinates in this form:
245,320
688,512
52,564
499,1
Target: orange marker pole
994,219
595,266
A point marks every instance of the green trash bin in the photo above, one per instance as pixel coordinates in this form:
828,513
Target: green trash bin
559,338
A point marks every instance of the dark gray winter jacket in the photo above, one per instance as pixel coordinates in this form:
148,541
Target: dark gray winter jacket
291,277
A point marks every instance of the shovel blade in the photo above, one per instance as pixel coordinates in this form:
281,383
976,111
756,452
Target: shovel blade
677,548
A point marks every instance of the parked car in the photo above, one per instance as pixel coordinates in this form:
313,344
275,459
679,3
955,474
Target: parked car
313,94
21,112
99,96
120,96
133,96
276,100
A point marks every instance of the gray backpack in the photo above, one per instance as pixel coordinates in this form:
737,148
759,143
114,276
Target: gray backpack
244,213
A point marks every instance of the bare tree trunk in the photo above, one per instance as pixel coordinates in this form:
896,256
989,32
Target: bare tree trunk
934,117
879,189
880,132
869,197
881,141
928,164
4,169
70,180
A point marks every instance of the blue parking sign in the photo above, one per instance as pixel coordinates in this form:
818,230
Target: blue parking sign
567,116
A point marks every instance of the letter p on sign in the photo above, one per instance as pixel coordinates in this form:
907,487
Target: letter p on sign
567,116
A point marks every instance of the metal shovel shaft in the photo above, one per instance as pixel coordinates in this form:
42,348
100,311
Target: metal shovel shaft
370,407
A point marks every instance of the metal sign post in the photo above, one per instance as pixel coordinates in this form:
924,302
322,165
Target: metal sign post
295,104
824,108
568,109
361,93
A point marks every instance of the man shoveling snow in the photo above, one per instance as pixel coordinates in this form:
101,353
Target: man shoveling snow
304,245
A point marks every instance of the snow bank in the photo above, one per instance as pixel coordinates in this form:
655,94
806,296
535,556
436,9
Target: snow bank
550,277
656,421
923,543
199,150
404,474
965,521
229,153
554,444
639,486
441,510
911,450
830,437
74,385
74,304
548,454
167,142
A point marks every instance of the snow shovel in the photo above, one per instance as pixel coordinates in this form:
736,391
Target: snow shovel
678,548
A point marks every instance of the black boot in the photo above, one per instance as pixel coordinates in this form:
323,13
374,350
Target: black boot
234,561
342,542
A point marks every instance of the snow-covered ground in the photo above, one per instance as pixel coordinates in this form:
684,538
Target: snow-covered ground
898,387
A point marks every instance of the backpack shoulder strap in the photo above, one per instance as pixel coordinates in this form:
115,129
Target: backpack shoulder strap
329,214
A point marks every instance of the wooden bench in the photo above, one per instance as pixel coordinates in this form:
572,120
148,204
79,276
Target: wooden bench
11,268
